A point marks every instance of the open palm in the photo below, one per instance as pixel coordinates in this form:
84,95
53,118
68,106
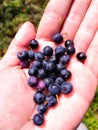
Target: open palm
16,97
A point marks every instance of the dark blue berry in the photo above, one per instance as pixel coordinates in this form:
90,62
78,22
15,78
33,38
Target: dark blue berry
57,38
59,80
38,119
24,64
31,54
48,81
81,56
23,55
42,108
33,43
51,100
53,58
39,56
39,97
36,64
64,59
47,51
59,50
60,67
66,87
33,71
41,73
32,81
50,66
44,62
53,75
66,74
70,50
69,43
54,89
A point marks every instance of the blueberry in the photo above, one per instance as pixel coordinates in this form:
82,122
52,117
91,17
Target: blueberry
66,87
53,58
60,67
33,43
53,75
32,81
31,54
39,56
48,81
54,89
36,64
38,119
81,56
24,64
41,73
51,100
42,108
39,97
47,51
66,74
64,59
44,62
59,80
69,43
41,85
50,66
57,38
33,71
59,50
23,55
70,50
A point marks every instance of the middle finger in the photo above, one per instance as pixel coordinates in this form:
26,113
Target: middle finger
75,17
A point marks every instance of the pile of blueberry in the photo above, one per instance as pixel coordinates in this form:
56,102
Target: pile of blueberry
48,72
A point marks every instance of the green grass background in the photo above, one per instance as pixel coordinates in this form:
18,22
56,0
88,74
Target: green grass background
13,13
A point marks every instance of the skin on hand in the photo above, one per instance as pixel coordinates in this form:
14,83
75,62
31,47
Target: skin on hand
16,97
16,104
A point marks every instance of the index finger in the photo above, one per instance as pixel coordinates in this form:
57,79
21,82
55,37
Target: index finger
54,15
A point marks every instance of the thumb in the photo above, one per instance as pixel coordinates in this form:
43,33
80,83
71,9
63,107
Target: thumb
20,42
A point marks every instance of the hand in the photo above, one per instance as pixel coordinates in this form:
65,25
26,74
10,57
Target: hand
80,23
16,98
16,104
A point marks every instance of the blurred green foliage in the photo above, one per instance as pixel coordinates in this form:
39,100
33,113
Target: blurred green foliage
91,117
13,13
